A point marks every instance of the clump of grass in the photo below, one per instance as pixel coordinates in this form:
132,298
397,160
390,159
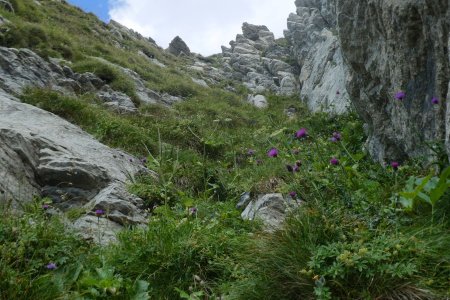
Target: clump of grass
28,244
322,253
112,75
108,127
180,252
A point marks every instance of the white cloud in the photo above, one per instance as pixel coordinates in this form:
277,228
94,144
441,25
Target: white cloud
204,25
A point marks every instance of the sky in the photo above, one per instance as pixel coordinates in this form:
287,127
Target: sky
204,25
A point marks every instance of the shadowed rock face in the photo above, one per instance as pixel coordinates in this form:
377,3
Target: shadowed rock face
392,46
42,154
177,47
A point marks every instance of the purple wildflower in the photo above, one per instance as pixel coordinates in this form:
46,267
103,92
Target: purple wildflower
395,165
45,206
99,212
292,194
334,161
289,168
295,168
400,95
193,211
301,133
337,135
435,100
272,152
51,266
251,152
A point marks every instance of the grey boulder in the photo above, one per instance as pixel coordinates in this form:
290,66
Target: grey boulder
177,47
271,209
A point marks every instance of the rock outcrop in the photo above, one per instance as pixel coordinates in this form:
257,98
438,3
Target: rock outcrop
21,68
122,32
271,209
257,60
178,47
392,46
42,154
315,45
7,5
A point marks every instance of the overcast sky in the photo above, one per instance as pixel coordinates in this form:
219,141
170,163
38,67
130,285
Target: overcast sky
204,25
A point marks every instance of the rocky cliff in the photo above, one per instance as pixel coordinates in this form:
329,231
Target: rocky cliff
365,52
315,45
393,46
260,62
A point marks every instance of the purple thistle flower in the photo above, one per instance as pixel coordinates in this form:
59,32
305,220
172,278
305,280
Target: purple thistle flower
435,100
193,211
292,194
337,135
272,152
400,95
301,133
51,266
99,212
333,139
251,152
45,206
296,168
395,165
334,161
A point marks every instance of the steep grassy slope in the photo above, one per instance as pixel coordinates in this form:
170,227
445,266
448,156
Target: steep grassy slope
353,237
83,37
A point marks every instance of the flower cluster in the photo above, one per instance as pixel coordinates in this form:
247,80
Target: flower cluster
336,137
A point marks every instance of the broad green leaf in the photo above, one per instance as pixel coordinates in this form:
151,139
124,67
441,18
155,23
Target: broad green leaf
407,203
417,190
183,294
424,197
140,289
441,187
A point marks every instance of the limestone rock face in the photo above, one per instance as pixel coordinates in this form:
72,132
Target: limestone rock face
21,68
257,60
447,132
392,46
177,47
117,100
7,5
271,209
312,34
257,100
42,154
